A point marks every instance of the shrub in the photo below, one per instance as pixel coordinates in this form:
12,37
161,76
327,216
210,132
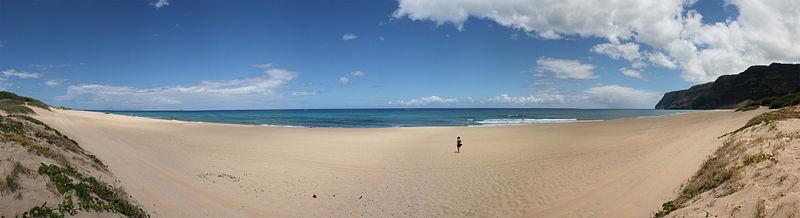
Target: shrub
92,194
11,183
790,99
785,101
42,211
10,126
748,107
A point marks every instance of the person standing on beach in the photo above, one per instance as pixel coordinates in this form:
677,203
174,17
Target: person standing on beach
458,144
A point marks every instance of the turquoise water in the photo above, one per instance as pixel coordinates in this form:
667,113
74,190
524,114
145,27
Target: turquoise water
376,118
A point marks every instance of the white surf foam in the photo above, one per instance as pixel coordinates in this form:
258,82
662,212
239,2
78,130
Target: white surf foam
509,122
287,126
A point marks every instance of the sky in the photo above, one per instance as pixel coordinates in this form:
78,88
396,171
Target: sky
209,54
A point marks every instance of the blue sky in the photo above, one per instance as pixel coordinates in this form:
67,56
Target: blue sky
182,54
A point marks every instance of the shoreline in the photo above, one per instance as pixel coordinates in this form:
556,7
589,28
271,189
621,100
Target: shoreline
482,125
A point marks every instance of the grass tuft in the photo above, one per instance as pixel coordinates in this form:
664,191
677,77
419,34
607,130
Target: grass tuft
769,117
713,173
757,158
11,182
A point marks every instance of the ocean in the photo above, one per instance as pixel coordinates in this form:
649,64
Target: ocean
382,118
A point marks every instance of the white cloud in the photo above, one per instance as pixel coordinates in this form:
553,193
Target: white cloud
159,3
660,59
212,93
631,73
425,101
6,75
615,96
764,31
20,74
349,36
566,69
547,98
344,81
358,73
54,82
628,51
304,93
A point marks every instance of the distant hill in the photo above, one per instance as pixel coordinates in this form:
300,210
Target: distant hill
729,91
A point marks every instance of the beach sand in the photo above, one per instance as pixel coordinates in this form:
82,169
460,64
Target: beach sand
617,168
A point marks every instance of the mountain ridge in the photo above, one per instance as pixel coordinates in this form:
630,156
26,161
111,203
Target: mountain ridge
755,83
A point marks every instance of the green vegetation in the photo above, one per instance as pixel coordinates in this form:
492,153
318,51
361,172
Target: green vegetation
97,161
8,96
14,104
92,194
10,126
48,153
15,107
42,211
785,101
790,99
17,130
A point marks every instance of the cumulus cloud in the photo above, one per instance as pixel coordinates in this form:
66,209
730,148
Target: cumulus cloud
210,93
344,81
763,32
540,98
349,36
159,3
628,51
358,73
425,101
566,69
631,73
660,59
615,96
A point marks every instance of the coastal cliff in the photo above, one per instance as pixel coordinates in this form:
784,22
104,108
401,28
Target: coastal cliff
754,84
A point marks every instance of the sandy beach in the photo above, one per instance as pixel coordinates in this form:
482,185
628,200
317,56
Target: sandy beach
616,168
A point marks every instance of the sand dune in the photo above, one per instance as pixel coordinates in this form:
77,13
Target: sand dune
618,168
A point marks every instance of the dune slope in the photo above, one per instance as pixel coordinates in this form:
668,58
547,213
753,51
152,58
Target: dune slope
618,168
755,172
